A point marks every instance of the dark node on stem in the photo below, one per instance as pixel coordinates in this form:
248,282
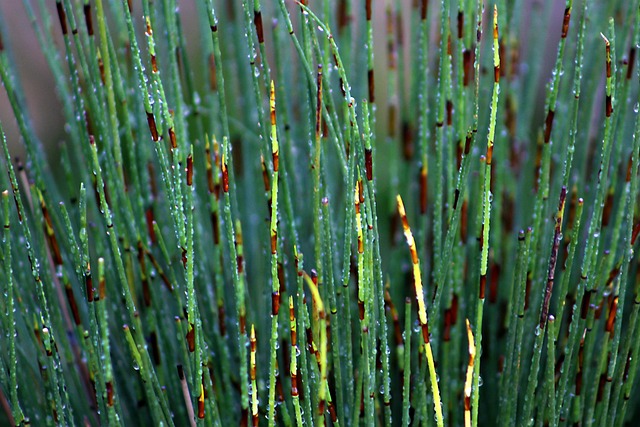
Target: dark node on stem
613,306
146,292
584,308
372,85
449,105
609,106
425,333
342,90
565,22
149,217
240,262
463,221
109,386
151,121
368,9
129,6
88,20
184,257
172,138
215,225
548,125
62,16
1,43
342,17
467,60
629,168
489,157
361,310
601,383
527,293
309,340
279,388
243,324
407,140
244,418
155,350
257,20
275,303
423,9
201,407
154,64
321,408
222,325
294,385
333,414
368,163
578,382
225,178
190,170
446,336
467,143
632,62
455,198
88,281
460,24
493,284
73,305
191,338
483,285
507,211
496,74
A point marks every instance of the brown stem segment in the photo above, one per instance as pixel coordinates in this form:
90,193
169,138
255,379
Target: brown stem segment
62,16
88,20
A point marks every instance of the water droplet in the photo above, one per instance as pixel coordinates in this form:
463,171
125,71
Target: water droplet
416,327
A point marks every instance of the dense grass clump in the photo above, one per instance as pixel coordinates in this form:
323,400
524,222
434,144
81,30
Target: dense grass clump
285,224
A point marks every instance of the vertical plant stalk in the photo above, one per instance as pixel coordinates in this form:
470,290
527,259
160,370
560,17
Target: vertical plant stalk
321,354
16,410
486,214
275,291
234,241
293,366
468,382
422,312
406,364
252,374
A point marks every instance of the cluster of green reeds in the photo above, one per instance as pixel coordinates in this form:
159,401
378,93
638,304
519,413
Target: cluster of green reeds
283,223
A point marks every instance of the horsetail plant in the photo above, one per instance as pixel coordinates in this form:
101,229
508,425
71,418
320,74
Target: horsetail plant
205,181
